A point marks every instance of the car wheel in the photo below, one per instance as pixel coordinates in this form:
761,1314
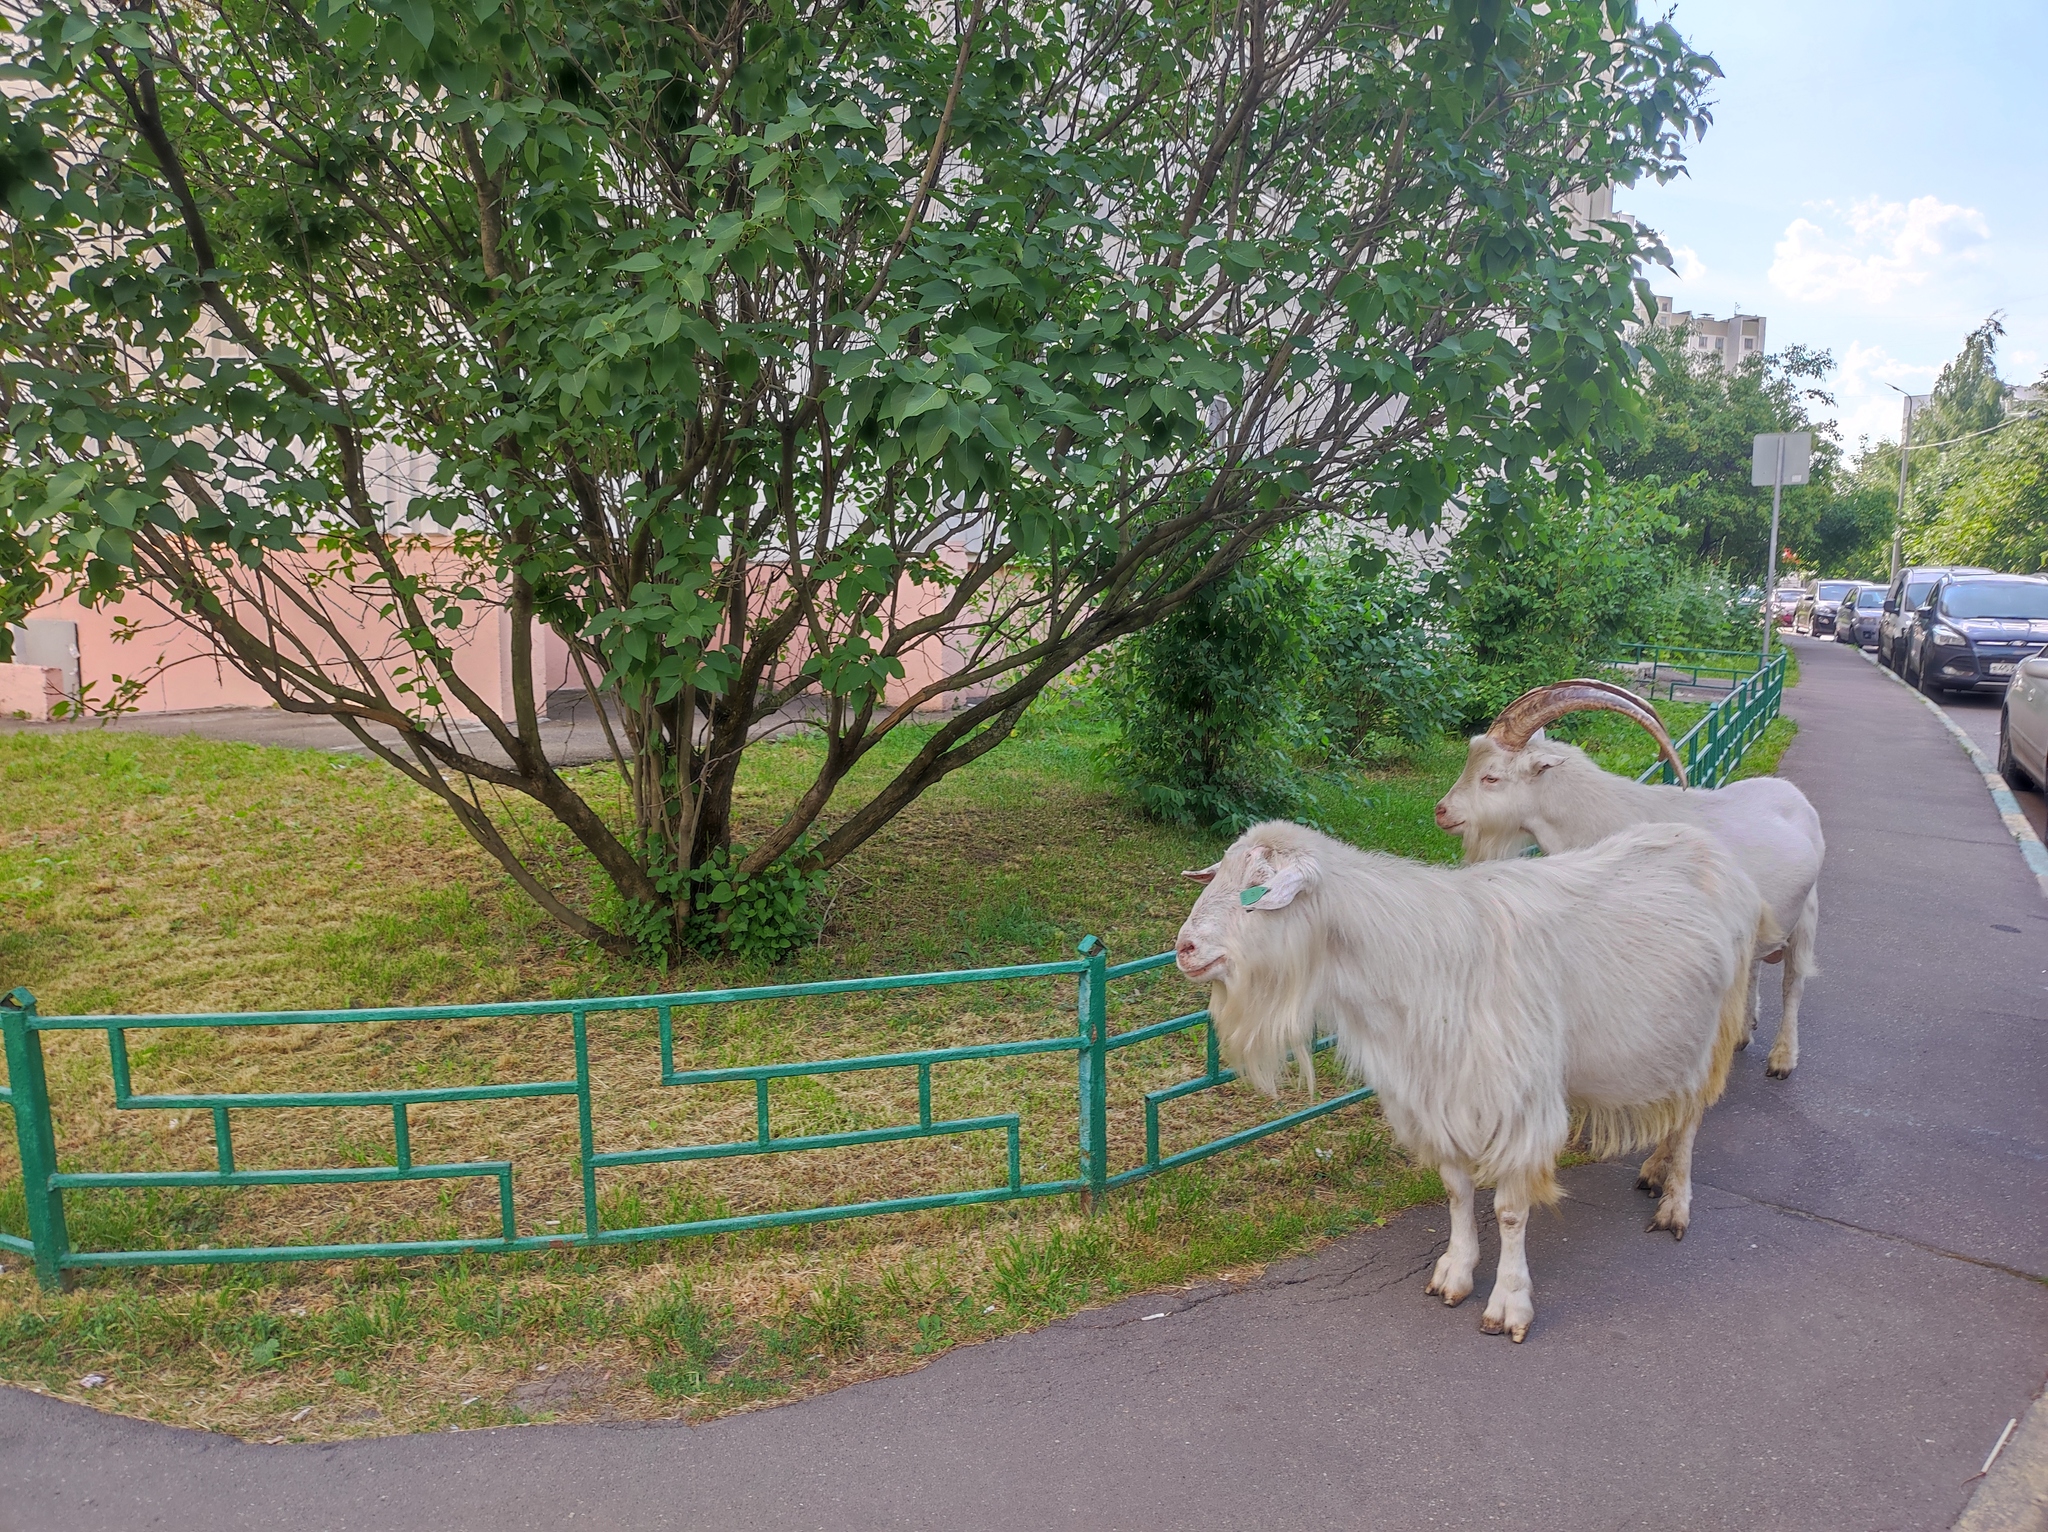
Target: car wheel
2015,774
1927,684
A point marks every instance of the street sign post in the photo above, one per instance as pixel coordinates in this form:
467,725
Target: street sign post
1777,459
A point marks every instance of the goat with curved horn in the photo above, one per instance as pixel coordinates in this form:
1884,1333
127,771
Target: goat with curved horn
1519,791
1542,705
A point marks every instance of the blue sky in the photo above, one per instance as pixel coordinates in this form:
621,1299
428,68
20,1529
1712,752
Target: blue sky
1875,183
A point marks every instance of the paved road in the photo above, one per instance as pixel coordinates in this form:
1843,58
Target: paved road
1977,715
571,733
1857,1312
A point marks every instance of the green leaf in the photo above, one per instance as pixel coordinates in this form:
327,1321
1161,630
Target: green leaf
418,16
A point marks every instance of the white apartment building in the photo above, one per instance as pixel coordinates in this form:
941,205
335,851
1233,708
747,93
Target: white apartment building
1731,341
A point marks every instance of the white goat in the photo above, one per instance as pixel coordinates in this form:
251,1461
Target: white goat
1518,788
1491,1006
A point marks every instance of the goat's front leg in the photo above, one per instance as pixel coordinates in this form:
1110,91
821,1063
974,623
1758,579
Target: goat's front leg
1453,1279
1651,1177
1674,1211
1512,1308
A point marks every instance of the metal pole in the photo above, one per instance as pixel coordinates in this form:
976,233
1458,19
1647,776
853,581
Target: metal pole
1771,558
1899,517
1093,1066
35,1137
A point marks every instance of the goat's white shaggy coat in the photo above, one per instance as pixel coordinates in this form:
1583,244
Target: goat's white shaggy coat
1491,1006
1553,794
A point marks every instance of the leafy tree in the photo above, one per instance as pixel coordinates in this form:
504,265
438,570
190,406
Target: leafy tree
1984,499
1698,435
1968,396
1542,597
22,584
721,326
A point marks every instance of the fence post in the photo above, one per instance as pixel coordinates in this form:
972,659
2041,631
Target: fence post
1093,998
30,1092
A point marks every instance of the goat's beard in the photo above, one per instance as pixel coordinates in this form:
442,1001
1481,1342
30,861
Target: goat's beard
1496,845
1259,1023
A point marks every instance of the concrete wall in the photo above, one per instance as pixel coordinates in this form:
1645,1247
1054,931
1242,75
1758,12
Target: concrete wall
30,691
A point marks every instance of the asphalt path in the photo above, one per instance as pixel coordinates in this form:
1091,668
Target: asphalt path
1976,714
1858,1309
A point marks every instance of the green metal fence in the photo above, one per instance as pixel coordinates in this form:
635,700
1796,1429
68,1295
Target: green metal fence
1092,1043
1711,751
1715,746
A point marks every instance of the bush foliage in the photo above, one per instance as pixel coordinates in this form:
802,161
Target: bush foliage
1323,658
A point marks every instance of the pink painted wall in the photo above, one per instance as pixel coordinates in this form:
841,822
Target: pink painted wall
184,673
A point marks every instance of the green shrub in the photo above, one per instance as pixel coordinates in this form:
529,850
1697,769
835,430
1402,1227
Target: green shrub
1212,702
1386,679
1550,592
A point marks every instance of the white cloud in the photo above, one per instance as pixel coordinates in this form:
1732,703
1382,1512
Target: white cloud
1687,264
1865,409
1883,249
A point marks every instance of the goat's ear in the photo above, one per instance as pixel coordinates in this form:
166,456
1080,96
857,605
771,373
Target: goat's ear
1203,874
1541,761
1282,886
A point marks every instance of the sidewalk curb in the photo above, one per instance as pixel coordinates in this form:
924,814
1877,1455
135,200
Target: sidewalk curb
2014,1494
2031,848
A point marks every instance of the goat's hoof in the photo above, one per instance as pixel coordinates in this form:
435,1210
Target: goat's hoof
1778,1069
1519,1334
1743,1046
1661,1222
1490,1324
1650,1185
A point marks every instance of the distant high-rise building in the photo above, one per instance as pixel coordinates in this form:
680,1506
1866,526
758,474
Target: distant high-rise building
1731,341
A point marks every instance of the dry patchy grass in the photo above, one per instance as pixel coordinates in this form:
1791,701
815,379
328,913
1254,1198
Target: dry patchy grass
141,874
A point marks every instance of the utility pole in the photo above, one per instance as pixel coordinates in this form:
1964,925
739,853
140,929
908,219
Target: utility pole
1905,446
1777,459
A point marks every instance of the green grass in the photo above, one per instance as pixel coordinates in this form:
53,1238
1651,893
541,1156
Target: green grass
140,874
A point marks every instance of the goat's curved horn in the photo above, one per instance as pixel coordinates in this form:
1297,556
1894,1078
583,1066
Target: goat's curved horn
1520,719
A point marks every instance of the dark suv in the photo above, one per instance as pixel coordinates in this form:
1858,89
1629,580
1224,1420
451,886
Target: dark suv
1974,631
1908,590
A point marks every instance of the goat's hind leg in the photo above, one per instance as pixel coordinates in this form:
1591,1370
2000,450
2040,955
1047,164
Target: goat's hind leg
1799,967
1452,1280
1512,1307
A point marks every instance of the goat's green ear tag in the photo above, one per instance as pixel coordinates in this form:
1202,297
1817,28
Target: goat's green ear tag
1252,896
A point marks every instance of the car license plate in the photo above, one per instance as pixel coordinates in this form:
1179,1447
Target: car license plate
2001,667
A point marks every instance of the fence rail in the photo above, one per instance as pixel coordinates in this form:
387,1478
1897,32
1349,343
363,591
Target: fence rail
1714,747
1711,751
1091,1043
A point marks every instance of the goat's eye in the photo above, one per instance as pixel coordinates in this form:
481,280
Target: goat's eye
1489,781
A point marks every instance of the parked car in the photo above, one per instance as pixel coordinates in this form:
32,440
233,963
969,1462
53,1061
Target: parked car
1908,591
1856,623
2023,726
1820,604
1789,597
1975,630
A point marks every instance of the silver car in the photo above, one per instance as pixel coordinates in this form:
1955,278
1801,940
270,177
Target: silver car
2023,726
1856,622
